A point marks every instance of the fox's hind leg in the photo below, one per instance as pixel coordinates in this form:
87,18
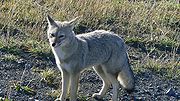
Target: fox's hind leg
106,83
115,84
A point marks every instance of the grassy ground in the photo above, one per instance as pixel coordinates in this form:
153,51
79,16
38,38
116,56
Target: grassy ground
151,28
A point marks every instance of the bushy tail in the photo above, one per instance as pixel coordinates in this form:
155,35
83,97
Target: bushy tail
126,78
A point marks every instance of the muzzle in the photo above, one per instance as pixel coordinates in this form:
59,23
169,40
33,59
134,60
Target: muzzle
53,44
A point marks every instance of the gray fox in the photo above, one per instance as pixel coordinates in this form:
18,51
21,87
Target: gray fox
100,49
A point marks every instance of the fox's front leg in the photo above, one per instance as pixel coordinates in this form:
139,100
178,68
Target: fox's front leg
65,85
74,78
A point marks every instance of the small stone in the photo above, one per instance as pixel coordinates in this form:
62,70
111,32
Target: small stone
138,99
170,92
27,65
31,99
151,87
159,89
20,61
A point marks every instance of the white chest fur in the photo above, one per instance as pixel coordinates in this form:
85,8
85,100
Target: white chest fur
58,53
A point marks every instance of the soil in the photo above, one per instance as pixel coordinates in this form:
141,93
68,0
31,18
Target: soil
150,86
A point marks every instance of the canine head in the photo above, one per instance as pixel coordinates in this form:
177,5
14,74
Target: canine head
60,33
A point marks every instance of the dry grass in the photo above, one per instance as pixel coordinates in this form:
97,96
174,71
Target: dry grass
23,24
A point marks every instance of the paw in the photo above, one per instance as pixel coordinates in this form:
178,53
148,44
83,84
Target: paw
97,96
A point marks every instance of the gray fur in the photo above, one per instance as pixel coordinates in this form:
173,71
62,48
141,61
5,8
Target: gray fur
102,49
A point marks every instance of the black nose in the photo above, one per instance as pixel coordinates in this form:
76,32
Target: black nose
53,44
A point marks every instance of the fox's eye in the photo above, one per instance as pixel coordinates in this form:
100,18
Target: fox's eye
61,36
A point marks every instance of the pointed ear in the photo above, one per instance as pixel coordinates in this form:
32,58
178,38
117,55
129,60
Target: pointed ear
74,21
51,21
